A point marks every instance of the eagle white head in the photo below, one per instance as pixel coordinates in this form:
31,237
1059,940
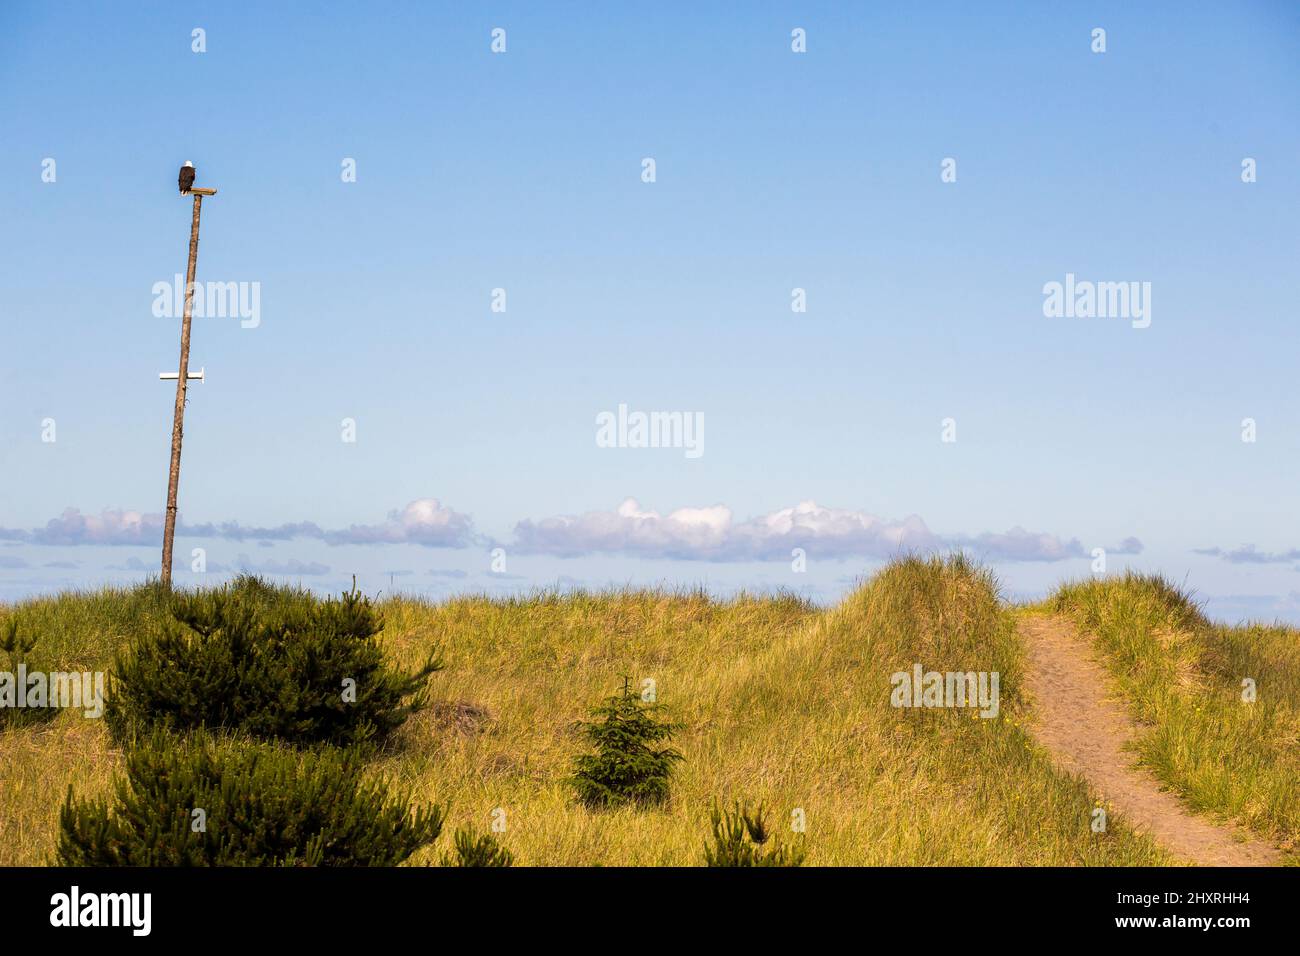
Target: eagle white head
189,164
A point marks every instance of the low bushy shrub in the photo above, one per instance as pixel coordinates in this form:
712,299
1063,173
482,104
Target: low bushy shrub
205,801
274,663
627,767
16,662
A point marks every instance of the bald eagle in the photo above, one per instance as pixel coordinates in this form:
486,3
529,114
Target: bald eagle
187,177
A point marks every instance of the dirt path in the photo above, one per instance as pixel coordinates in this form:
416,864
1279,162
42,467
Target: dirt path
1078,721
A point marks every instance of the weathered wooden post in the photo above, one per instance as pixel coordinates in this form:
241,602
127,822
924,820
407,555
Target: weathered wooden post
182,384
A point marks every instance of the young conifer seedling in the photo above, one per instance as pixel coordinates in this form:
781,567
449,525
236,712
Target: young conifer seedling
628,767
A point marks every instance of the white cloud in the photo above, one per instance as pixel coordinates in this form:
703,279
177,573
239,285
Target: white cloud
685,533
424,521
711,534
1021,545
109,527
833,532
1249,554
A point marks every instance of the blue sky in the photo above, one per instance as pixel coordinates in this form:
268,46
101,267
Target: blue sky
774,170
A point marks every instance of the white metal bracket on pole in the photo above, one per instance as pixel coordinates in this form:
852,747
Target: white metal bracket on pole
189,376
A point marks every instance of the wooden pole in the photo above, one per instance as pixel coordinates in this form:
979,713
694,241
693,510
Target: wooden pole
182,382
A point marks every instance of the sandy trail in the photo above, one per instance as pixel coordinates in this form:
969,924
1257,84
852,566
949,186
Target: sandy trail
1085,729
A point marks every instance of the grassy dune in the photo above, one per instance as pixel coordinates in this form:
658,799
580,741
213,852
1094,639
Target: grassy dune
1183,676
781,702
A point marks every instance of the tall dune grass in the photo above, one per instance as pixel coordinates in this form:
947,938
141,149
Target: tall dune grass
781,703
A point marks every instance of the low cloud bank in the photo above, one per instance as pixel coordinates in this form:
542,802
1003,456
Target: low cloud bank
688,534
713,534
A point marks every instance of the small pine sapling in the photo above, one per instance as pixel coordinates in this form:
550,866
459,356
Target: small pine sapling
627,767
473,849
739,838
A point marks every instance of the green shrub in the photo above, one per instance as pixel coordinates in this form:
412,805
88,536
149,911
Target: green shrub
204,801
739,838
275,663
474,850
17,652
626,767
